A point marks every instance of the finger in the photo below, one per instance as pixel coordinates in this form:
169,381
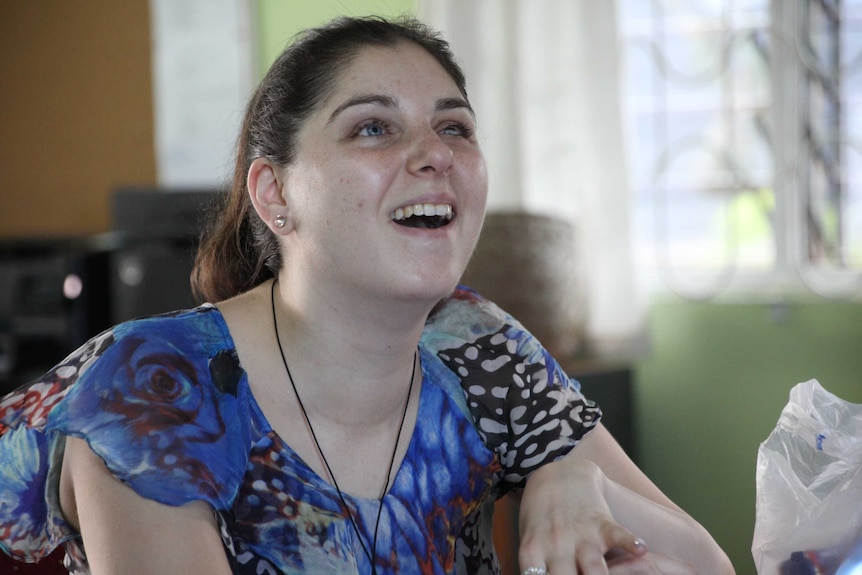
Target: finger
591,561
531,556
620,538
564,553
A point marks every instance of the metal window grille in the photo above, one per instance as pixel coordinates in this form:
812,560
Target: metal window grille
745,144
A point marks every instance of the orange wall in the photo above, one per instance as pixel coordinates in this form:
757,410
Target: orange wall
75,112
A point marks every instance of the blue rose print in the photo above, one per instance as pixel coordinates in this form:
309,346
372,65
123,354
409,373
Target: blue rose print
146,401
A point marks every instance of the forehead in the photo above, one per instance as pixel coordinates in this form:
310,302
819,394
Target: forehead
404,67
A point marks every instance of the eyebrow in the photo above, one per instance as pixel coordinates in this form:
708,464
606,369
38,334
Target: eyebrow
454,104
389,102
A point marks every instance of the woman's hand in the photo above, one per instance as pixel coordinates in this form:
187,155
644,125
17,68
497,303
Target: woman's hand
594,500
566,525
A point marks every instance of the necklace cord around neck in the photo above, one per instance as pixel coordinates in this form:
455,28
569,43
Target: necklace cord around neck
373,552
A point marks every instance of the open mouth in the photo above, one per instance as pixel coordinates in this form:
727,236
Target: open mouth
427,216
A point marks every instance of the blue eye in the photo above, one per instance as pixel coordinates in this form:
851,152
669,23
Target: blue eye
458,129
373,128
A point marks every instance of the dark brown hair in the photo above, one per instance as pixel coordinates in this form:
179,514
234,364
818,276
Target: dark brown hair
238,251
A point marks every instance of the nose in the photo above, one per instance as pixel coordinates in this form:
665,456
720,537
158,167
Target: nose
430,155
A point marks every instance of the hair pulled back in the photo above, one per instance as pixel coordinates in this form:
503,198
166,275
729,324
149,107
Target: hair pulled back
237,250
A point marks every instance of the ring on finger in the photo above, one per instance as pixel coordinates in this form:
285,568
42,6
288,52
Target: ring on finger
535,571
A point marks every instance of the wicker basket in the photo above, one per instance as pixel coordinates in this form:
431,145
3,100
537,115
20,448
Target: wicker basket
526,264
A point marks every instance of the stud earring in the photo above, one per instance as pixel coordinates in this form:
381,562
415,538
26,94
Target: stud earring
279,221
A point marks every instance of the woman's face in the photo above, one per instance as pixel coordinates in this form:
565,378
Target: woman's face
394,138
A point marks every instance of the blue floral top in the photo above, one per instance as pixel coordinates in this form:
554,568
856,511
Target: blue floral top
165,403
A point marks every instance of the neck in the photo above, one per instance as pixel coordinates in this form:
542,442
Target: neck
330,342
370,550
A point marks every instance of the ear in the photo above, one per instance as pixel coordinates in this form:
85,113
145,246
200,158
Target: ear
264,182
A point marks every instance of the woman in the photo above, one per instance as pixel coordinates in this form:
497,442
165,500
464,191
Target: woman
343,407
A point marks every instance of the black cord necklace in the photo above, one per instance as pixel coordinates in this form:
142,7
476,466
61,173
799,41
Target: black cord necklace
373,552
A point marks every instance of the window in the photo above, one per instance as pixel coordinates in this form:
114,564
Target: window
744,131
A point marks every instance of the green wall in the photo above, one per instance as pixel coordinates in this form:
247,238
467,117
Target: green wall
712,389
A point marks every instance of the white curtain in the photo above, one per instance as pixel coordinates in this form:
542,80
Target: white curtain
543,76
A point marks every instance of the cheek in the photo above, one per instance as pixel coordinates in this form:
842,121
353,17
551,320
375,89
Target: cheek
478,199
482,195
475,175
361,188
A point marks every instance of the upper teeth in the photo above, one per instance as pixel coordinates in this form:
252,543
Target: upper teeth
444,210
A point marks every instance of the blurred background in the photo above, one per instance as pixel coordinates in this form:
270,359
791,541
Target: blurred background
676,184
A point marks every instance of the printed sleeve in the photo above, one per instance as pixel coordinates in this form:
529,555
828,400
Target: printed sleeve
523,404
157,399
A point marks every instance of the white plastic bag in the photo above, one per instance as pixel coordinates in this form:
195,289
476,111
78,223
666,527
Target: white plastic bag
809,487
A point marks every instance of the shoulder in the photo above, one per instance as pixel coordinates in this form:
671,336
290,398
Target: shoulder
191,347
467,321
152,340
138,365
514,388
463,314
158,399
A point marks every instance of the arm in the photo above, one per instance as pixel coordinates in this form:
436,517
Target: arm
572,512
636,502
126,533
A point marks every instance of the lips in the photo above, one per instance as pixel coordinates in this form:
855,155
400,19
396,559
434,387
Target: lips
428,216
